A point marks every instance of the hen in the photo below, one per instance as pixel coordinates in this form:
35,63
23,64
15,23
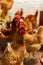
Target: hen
31,21
40,34
11,56
32,43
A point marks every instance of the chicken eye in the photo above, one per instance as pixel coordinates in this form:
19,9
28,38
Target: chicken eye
8,25
0,25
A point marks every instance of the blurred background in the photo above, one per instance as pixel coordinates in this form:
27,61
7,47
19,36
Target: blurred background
29,6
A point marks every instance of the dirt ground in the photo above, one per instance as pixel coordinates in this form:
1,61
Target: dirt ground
37,56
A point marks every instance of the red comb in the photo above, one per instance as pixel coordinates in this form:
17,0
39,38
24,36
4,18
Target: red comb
17,17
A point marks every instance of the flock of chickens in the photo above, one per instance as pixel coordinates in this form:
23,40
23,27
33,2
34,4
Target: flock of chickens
22,35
